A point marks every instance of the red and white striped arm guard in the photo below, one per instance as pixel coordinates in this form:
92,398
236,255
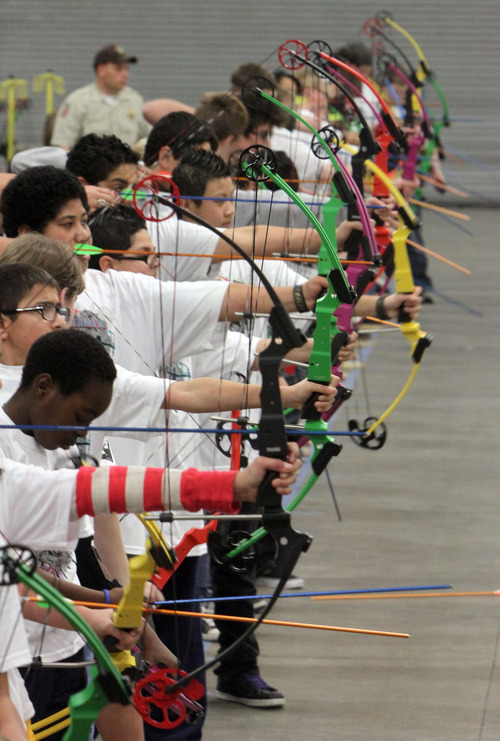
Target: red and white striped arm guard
138,489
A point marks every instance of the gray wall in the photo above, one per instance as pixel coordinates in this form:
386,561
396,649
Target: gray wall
186,48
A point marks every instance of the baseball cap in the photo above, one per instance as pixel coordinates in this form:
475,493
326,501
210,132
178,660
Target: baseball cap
114,54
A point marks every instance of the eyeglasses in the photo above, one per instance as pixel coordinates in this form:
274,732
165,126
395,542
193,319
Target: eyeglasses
48,311
151,260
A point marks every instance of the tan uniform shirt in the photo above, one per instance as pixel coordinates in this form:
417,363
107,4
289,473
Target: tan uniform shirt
88,111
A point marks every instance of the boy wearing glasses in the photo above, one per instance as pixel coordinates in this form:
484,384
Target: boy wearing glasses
122,235
29,308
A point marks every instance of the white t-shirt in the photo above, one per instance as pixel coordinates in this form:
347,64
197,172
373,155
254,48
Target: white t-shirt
52,644
34,512
176,235
19,695
136,402
297,145
151,318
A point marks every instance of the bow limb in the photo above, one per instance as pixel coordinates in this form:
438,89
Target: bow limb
426,131
193,537
418,339
106,684
356,246
389,121
344,192
423,73
424,69
388,132
373,27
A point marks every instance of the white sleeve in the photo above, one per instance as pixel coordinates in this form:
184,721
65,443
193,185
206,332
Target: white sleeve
152,319
136,402
35,506
192,241
276,271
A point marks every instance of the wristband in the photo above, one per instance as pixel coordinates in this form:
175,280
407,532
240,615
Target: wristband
211,490
299,300
379,308
107,596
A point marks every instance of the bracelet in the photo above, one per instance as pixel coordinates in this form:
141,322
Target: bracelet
299,300
379,308
107,596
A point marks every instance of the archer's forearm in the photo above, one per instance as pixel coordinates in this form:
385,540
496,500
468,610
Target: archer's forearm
109,545
202,395
262,240
74,591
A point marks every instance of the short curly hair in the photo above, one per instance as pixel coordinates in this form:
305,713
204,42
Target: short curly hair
94,157
36,196
72,358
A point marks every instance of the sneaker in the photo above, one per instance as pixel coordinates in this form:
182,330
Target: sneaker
208,628
270,580
249,689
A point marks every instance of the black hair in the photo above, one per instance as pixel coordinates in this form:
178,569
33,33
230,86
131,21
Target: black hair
17,279
178,130
196,169
94,157
36,196
112,231
71,357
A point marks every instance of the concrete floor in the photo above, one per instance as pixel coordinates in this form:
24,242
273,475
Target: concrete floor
423,510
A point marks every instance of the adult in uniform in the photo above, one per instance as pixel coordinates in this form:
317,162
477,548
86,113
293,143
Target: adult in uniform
106,106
